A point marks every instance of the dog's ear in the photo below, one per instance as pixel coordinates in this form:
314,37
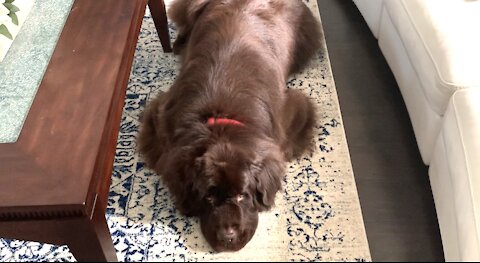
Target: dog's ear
268,176
182,175
202,182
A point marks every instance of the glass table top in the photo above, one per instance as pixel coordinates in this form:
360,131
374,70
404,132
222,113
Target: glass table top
24,65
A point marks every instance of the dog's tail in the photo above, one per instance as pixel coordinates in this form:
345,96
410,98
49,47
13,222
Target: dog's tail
298,121
308,36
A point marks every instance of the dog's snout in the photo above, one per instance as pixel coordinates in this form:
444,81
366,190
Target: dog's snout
228,234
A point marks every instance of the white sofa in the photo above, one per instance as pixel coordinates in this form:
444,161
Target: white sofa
433,50
455,177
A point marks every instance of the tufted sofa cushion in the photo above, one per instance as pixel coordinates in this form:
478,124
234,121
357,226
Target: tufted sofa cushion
432,48
442,43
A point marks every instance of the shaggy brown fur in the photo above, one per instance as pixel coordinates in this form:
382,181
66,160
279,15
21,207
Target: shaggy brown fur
236,58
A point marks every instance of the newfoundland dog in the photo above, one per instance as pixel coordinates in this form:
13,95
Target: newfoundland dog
221,135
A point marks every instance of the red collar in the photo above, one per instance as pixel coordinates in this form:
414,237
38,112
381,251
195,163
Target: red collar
223,121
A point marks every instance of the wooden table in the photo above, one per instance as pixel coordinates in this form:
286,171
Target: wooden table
54,180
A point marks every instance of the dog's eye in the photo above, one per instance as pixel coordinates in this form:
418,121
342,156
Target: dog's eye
210,199
240,197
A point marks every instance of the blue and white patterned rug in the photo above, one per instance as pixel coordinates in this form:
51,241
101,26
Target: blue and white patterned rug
317,216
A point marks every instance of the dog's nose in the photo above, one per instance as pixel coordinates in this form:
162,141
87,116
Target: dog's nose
228,235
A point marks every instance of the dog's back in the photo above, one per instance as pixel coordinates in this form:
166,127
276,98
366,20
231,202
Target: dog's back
283,32
237,55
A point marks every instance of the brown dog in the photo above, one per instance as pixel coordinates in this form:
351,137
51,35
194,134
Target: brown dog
221,136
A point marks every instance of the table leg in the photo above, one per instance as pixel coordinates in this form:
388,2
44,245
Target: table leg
88,239
159,15
91,240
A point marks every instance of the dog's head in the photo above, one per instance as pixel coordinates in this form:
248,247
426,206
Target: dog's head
240,181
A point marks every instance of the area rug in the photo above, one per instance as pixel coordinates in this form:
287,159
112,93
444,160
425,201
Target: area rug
317,216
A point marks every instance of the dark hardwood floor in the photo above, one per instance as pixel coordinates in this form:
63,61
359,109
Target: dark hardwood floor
392,181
